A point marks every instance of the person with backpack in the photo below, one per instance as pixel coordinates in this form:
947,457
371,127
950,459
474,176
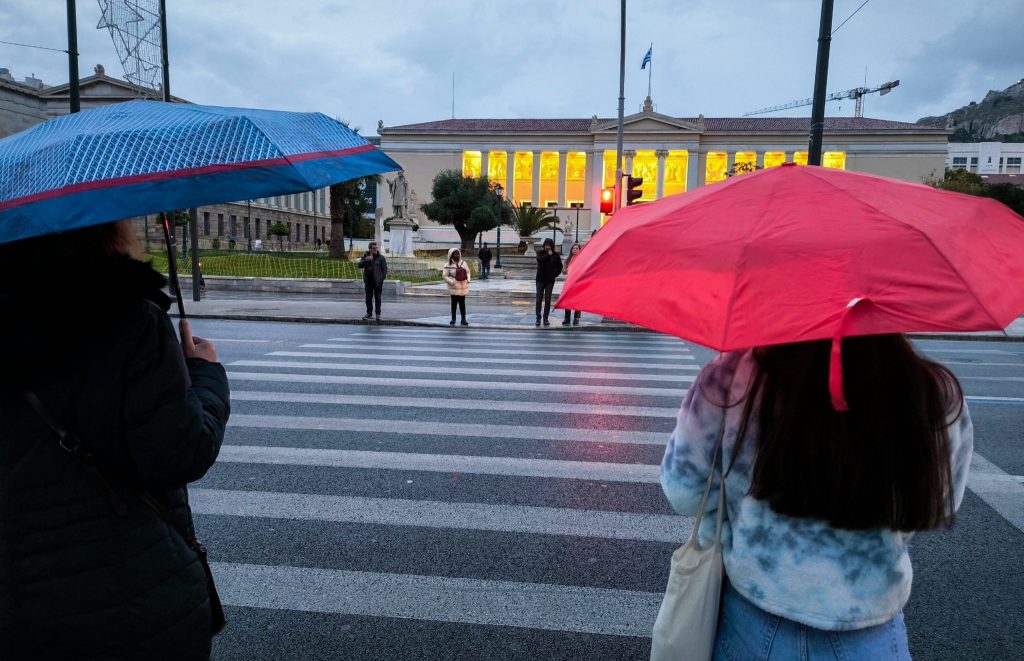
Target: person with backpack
456,276
820,504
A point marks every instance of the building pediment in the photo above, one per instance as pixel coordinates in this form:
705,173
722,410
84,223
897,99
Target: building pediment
102,85
648,122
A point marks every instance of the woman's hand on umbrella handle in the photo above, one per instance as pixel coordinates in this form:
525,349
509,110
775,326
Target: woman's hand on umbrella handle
195,347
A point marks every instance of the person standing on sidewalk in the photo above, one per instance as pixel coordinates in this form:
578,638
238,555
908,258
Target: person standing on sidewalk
549,265
485,262
573,251
375,269
456,276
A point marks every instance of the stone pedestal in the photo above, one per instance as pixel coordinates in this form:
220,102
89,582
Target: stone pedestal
531,244
400,243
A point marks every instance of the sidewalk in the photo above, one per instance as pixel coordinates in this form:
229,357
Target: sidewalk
495,304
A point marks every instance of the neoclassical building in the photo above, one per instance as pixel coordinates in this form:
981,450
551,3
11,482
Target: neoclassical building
565,162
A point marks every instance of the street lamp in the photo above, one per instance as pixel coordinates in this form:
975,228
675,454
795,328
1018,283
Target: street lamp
498,190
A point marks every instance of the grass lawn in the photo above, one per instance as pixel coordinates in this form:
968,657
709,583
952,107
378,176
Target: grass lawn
279,265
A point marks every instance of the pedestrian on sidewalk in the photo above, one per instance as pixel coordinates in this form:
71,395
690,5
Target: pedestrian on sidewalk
375,269
456,276
819,505
485,262
549,265
575,316
90,570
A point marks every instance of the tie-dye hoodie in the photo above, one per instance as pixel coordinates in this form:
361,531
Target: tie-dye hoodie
800,569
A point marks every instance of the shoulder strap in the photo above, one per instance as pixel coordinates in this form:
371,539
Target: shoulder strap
73,445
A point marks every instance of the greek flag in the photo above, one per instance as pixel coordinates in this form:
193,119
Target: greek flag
647,58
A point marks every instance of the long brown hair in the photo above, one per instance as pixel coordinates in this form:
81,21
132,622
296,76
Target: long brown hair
885,463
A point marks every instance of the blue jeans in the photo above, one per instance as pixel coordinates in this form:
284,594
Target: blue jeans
485,270
747,633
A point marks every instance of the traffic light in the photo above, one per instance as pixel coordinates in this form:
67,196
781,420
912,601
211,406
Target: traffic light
633,192
607,200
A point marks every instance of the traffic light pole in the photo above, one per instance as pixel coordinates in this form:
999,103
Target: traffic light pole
622,104
820,81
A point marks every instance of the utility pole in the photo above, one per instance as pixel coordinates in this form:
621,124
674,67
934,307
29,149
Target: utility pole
820,81
622,101
164,67
73,57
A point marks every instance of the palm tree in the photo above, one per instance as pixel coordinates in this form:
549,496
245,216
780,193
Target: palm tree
529,220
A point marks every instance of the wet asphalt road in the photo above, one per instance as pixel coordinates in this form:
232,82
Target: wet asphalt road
408,498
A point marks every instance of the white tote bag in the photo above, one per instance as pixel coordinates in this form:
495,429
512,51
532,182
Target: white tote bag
688,618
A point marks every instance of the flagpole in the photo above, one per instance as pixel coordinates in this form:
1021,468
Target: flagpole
650,69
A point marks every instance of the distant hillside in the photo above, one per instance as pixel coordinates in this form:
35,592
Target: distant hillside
998,118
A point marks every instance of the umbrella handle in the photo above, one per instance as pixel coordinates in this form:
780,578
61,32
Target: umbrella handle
836,388
172,266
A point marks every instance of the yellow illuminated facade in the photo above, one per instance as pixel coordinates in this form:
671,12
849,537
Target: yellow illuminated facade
744,162
548,179
522,183
834,159
717,164
575,178
774,158
471,163
645,165
609,168
675,171
800,157
497,167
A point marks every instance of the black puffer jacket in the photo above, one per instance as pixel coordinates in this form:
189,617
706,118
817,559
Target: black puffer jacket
78,581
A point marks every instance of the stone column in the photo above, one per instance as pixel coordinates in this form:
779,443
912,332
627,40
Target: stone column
535,201
730,162
591,193
562,164
485,161
660,190
692,169
510,173
629,154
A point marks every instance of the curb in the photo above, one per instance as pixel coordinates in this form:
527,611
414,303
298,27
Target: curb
590,328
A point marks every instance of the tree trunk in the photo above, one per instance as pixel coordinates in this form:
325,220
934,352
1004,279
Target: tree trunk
337,238
467,238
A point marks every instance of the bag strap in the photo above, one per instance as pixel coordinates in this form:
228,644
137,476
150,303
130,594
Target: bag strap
717,459
73,445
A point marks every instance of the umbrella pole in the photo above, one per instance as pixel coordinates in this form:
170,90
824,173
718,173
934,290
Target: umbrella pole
172,266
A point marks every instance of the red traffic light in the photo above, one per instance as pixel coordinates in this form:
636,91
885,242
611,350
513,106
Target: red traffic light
607,200
633,192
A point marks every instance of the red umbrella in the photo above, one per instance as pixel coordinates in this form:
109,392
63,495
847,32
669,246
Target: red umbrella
792,254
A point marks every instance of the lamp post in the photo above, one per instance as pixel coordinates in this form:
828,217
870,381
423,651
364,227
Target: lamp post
498,190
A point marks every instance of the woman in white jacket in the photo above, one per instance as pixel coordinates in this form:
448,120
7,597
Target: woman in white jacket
456,276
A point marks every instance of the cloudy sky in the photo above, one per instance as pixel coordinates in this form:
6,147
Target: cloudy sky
393,59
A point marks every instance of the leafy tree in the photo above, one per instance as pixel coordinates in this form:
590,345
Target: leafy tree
965,181
280,230
455,198
1009,194
348,204
529,220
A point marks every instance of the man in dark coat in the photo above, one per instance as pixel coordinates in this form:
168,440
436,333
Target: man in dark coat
485,262
549,265
375,269
80,577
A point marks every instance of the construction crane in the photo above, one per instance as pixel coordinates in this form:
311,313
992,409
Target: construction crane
857,93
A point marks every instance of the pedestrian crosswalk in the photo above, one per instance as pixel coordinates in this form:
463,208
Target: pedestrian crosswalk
492,484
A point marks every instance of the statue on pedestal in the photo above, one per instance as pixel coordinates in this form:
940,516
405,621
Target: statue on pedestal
399,194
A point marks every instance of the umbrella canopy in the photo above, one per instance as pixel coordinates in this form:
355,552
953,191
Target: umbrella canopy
792,254
143,157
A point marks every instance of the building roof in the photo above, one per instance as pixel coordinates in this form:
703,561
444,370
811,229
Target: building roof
711,125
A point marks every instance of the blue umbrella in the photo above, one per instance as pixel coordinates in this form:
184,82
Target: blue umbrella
142,157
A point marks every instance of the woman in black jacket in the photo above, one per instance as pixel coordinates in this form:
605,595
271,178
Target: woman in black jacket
549,265
89,572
